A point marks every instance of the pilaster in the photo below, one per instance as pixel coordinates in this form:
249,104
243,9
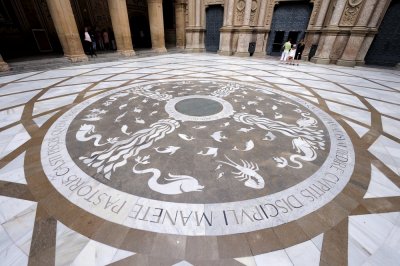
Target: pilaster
244,32
226,32
180,6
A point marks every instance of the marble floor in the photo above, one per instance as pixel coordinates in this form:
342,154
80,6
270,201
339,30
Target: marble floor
200,159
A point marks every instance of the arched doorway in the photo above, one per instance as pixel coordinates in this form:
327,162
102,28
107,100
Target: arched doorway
384,49
290,21
214,21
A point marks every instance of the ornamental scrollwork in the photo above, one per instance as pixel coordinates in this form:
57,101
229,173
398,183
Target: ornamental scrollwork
350,13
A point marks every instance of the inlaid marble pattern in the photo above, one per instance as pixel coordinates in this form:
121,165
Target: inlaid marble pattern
81,146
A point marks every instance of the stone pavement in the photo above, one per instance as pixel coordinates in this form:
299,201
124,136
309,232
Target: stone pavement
200,159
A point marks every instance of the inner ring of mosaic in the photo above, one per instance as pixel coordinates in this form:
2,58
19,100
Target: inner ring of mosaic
197,157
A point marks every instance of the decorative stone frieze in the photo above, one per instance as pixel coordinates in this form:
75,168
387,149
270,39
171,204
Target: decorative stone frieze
239,14
351,12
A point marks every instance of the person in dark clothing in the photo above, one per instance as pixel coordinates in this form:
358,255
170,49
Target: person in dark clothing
299,51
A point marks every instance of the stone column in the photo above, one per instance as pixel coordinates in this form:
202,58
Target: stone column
329,34
3,65
67,31
225,42
262,32
180,6
245,32
120,24
156,20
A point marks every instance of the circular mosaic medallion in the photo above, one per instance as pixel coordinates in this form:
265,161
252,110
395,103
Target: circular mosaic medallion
197,157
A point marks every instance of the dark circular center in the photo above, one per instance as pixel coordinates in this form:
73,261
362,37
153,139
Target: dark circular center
198,107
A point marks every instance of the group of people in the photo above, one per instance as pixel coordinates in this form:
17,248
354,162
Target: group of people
97,40
292,53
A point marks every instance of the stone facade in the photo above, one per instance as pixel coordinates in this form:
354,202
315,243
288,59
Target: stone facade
343,30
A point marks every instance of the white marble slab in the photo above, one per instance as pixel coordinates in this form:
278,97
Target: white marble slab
323,85
16,99
347,111
10,254
107,84
315,100
391,126
10,208
360,130
10,116
12,138
110,70
47,105
149,70
381,186
386,108
11,78
278,80
73,248
340,97
20,228
14,170
28,86
388,151
295,89
183,263
375,94
247,78
58,73
84,79
306,253
40,120
371,236
63,90
126,77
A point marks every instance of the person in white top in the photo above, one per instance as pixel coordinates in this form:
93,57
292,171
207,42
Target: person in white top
292,54
88,43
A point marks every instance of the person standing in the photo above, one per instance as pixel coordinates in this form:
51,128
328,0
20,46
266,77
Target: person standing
286,49
291,56
106,40
88,42
299,51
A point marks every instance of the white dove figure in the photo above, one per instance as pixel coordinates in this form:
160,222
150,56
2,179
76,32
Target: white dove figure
249,146
124,129
170,149
260,112
186,137
245,130
139,121
217,136
211,151
137,110
269,136
199,127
